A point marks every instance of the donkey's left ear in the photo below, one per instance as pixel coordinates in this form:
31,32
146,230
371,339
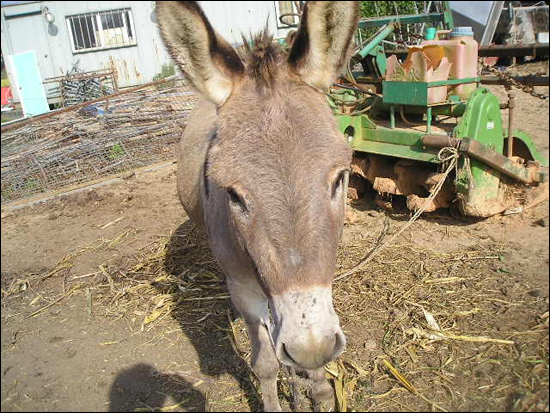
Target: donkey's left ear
207,60
320,47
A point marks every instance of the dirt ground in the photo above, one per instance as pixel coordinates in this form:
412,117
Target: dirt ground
111,301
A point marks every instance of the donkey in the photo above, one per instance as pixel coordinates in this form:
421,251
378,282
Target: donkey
263,169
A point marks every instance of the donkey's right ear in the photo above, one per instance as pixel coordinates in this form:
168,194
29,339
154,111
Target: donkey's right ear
208,61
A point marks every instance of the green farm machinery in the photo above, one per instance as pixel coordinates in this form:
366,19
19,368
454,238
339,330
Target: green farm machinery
405,119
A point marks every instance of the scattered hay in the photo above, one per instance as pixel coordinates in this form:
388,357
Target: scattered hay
480,308
459,328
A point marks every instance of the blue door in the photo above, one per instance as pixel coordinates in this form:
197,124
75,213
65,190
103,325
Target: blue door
29,84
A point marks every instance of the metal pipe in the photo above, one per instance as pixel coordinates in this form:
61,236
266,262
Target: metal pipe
488,156
385,32
487,80
392,117
536,49
528,80
527,8
511,106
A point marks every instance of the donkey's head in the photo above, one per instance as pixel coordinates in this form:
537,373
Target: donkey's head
280,159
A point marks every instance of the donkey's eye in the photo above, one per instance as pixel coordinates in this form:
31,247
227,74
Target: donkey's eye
236,200
339,183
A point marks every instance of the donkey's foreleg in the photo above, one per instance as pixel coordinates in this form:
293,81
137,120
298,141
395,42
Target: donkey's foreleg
265,365
322,392
318,388
253,306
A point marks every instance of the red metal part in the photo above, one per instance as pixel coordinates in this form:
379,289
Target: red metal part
7,96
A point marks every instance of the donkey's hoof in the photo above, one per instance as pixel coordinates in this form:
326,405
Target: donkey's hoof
301,403
324,406
272,406
323,399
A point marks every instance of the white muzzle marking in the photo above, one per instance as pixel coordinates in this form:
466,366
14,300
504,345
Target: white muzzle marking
306,330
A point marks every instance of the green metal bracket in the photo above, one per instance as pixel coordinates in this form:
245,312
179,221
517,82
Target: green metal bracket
381,60
477,184
366,136
452,82
529,145
448,20
405,93
374,48
416,93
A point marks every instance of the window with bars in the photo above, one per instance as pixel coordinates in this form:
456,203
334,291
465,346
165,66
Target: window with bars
101,30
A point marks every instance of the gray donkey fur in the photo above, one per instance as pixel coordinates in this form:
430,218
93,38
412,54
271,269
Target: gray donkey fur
264,170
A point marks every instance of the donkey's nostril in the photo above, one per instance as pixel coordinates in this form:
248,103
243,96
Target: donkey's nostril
312,354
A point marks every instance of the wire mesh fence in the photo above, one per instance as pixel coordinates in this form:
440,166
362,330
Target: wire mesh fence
77,87
120,133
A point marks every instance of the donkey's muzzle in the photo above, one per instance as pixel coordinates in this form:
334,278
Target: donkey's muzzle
312,354
307,332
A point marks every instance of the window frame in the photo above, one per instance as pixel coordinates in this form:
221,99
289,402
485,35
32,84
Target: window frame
128,23
278,15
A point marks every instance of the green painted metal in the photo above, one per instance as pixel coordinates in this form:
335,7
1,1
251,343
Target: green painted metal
455,109
454,81
405,19
528,142
477,184
479,189
376,49
381,60
370,46
448,20
405,93
481,121
415,93
366,136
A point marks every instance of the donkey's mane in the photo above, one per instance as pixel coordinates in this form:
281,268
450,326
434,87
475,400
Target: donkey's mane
262,58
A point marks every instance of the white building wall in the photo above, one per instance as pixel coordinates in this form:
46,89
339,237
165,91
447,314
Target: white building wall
135,64
25,28
231,18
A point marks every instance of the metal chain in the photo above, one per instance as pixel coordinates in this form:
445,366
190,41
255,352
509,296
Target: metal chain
510,81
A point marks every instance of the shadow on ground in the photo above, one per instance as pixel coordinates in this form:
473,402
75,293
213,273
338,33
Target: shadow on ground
207,324
400,213
143,387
